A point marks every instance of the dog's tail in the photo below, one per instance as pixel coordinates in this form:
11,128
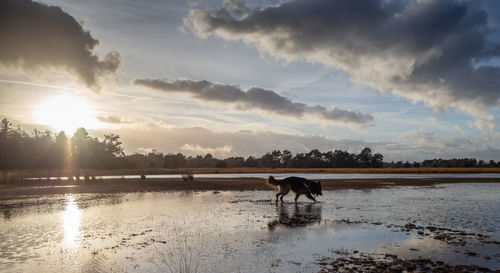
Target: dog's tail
273,182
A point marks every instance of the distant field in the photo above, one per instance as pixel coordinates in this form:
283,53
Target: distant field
14,174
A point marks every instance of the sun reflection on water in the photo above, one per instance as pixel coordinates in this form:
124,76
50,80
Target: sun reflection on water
71,222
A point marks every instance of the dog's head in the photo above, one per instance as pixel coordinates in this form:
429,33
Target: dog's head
316,188
271,180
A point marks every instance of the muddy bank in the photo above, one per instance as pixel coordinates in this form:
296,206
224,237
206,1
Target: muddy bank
20,189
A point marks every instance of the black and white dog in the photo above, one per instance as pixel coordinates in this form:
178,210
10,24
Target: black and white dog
298,185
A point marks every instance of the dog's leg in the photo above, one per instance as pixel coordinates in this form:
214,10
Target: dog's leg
277,195
284,191
310,197
297,197
283,194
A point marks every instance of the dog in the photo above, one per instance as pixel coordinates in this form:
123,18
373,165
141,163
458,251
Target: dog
298,185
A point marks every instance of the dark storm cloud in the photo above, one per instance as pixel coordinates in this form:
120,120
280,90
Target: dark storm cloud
254,98
235,6
36,37
427,51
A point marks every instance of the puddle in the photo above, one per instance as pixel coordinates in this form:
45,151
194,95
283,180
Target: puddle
244,231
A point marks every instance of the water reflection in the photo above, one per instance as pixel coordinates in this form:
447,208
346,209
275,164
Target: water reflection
303,215
7,214
71,217
243,231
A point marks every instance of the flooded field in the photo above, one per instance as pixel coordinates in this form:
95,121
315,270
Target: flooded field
245,232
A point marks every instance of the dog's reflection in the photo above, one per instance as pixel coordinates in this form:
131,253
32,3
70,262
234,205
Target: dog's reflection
303,215
7,214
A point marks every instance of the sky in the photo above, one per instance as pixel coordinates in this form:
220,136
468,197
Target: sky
411,79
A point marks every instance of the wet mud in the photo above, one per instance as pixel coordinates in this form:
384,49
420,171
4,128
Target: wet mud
450,236
361,262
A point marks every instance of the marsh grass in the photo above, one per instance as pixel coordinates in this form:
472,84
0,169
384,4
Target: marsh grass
181,254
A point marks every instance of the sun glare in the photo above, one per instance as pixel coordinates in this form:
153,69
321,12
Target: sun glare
71,222
65,113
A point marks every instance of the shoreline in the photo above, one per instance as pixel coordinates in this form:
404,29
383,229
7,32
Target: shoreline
26,189
6,175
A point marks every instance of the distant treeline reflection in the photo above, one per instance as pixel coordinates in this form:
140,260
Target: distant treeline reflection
41,150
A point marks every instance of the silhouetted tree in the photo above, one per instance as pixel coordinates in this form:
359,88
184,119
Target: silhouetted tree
234,162
365,158
251,162
286,158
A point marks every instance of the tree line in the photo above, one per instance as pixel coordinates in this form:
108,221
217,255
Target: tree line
445,163
47,150
274,159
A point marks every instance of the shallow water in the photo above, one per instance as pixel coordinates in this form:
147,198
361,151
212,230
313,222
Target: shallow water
243,231
305,175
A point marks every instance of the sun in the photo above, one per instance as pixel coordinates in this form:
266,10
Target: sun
65,113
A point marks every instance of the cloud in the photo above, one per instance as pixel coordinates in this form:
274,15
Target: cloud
421,144
421,136
254,98
432,120
196,140
484,124
235,6
459,130
36,38
430,51
222,151
111,119
146,150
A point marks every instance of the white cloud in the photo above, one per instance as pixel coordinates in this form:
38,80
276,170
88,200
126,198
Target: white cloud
146,150
220,152
419,136
487,124
459,130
